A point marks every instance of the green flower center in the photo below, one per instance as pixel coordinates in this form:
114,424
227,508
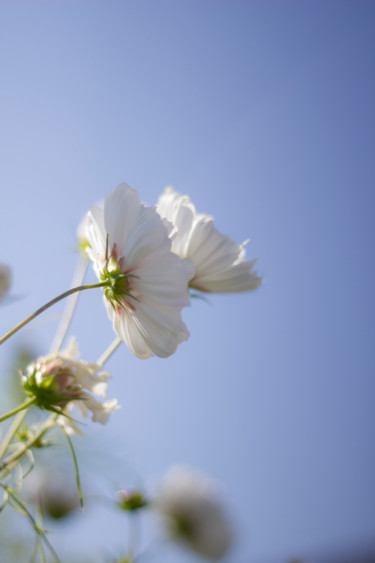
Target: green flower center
117,286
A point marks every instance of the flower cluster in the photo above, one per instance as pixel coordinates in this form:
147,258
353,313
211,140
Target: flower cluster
148,258
58,382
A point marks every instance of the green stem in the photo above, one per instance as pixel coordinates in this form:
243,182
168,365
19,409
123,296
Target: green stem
17,409
28,444
13,428
78,278
40,532
109,351
78,480
49,304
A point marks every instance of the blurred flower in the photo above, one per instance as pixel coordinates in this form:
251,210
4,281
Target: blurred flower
219,262
60,381
54,490
131,250
193,515
131,500
5,280
81,231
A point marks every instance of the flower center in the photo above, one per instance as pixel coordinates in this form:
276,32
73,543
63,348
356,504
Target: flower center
117,286
51,385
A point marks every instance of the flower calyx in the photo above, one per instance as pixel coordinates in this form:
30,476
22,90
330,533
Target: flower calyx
52,385
116,283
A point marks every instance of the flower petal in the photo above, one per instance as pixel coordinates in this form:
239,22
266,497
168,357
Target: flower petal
219,262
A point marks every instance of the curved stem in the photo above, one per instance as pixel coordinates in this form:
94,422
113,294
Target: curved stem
49,304
17,409
12,430
78,278
109,351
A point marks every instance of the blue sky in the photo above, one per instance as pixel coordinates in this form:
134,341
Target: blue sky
263,113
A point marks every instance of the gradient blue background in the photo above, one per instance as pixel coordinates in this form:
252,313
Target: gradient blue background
263,112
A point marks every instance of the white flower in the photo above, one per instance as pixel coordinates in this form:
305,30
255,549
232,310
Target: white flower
131,250
190,506
81,232
219,262
61,381
5,280
53,490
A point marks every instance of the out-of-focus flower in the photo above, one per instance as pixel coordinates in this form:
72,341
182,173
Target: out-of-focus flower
147,283
81,231
131,500
60,381
219,262
54,490
190,506
5,280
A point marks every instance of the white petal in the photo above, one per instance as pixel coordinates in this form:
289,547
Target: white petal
219,262
121,210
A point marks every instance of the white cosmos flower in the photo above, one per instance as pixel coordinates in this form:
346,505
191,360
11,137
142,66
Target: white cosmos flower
81,232
61,381
219,262
5,280
131,250
190,506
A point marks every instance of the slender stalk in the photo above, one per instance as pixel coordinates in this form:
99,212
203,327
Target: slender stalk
13,429
30,442
133,537
40,532
109,351
49,304
78,479
17,409
66,319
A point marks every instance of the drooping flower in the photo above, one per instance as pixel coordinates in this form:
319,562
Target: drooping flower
5,280
60,381
191,509
219,262
147,283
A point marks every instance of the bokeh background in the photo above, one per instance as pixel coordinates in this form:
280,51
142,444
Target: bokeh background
263,112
